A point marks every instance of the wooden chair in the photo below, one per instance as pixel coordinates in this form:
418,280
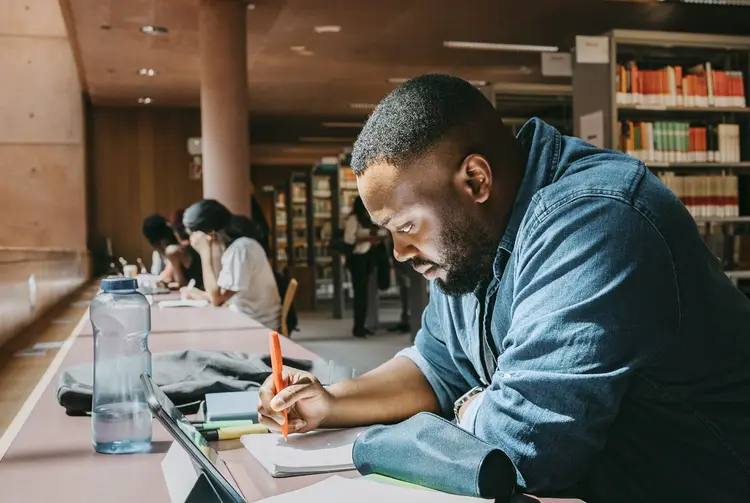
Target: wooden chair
287,305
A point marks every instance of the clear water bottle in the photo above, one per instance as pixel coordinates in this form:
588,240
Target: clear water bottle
120,417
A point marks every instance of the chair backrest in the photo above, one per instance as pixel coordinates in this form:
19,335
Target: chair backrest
287,305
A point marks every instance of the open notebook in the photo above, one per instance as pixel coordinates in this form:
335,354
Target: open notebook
342,490
321,451
182,303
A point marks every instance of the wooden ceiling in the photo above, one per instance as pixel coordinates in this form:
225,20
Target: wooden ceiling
291,95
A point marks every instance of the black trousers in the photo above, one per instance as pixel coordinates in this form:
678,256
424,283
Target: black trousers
360,267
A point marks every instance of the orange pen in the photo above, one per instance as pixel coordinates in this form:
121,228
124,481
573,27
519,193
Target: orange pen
277,365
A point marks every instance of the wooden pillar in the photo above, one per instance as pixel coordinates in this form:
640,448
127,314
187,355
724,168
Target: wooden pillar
224,103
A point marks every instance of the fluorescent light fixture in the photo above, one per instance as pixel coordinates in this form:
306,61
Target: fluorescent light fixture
362,106
298,48
343,124
325,139
306,53
144,101
487,46
154,30
476,83
329,28
147,72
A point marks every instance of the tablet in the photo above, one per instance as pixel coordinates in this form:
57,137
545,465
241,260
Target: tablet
191,440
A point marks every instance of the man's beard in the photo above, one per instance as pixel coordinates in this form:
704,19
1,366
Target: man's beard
469,251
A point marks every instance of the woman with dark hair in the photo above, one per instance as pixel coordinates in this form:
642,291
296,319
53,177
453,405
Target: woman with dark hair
245,281
361,235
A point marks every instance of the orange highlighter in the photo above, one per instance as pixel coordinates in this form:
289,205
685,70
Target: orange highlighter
277,366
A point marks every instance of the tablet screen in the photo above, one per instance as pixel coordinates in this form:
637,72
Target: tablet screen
177,418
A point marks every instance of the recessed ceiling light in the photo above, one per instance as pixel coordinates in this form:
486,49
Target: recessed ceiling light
144,101
328,28
147,72
251,6
325,139
367,106
486,46
297,48
154,30
476,83
343,124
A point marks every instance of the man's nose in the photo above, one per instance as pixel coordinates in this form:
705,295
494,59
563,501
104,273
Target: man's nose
402,249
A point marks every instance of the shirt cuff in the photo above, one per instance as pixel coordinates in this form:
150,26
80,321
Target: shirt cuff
469,416
444,397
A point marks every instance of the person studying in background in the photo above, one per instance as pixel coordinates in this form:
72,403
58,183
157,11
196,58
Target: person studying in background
172,261
358,233
245,281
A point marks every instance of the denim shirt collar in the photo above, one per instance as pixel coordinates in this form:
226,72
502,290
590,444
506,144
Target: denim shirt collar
543,143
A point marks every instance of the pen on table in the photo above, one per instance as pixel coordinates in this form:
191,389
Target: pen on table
277,366
232,433
212,425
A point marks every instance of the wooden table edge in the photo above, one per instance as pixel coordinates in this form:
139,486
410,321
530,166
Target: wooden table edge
6,440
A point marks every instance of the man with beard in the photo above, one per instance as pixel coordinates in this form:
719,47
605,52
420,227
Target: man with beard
576,321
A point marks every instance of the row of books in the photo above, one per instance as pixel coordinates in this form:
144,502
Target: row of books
671,86
682,142
705,196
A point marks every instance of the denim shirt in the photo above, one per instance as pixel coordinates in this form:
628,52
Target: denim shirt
621,351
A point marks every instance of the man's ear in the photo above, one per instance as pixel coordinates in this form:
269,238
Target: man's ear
475,177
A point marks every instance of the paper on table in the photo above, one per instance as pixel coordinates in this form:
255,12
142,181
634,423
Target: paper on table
182,303
341,490
321,451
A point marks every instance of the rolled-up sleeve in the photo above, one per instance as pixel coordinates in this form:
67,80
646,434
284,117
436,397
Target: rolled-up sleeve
595,297
439,364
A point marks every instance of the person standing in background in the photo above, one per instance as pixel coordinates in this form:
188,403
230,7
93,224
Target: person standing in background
403,280
358,233
245,281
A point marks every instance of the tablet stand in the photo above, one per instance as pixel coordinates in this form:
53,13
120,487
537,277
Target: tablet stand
187,483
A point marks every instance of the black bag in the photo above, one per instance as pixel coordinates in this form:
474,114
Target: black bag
382,266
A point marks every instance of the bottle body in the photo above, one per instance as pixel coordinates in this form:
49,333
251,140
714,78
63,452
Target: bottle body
120,417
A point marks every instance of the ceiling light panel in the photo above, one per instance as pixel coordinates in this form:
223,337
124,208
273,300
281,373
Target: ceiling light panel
487,46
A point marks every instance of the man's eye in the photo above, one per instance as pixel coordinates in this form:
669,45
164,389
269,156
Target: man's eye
405,229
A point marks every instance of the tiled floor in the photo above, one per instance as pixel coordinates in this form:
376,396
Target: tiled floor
332,340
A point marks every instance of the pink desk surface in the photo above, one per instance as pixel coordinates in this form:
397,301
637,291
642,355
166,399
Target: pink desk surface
51,458
209,319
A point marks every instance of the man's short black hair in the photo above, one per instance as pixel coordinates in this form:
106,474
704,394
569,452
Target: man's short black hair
415,117
156,229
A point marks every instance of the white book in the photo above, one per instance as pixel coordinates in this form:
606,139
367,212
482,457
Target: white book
322,451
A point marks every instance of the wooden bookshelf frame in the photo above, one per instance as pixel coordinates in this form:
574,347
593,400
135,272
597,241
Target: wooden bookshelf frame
594,85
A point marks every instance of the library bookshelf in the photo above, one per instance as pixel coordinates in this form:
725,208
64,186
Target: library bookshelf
677,102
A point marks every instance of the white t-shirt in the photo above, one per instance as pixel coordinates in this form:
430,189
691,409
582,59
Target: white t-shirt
353,230
246,271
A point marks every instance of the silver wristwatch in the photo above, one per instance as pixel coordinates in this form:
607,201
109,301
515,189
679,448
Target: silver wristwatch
465,398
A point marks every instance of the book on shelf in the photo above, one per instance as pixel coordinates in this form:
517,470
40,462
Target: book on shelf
705,196
680,142
674,86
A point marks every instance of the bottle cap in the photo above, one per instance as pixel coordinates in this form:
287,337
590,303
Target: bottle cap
119,284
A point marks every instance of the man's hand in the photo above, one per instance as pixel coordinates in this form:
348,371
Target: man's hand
306,401
201,242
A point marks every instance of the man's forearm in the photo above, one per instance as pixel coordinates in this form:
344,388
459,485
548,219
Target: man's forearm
391,393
